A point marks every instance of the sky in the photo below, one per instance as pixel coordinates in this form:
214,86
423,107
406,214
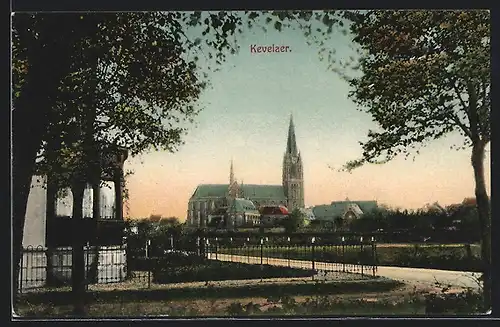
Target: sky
245,117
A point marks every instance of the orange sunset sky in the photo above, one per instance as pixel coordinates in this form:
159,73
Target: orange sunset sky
245,116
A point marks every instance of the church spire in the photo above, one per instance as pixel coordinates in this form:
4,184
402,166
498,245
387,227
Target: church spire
291,145
231,173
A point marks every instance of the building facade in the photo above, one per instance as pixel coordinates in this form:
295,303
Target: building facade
209,198
346,210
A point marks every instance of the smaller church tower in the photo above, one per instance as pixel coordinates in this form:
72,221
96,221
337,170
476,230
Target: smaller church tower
233,188
293,175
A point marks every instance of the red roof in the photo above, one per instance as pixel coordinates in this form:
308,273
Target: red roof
273,210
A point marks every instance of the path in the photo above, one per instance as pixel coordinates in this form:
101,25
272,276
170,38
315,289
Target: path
421,276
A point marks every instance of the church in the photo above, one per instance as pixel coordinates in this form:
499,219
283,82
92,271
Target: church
210,198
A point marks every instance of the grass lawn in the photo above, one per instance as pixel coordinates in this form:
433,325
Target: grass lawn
183,299
437,256
232,308
209,270
249,298
399,301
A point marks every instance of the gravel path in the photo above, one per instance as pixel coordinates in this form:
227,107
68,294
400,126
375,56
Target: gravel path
415,276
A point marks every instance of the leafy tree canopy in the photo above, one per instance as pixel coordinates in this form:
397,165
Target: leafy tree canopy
424,74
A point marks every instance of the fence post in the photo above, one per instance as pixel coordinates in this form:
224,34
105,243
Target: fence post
374,259
49,271
261,257
289,250
361,261
312,256
343,254
207,248
86,277
216,245
231,249
267,257
21,271
248,249
148,242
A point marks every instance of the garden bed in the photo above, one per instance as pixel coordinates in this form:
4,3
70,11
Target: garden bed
210,270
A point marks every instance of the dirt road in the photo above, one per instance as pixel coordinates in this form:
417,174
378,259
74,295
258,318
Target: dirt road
415,276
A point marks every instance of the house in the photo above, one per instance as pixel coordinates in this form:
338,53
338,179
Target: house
271,215
345,210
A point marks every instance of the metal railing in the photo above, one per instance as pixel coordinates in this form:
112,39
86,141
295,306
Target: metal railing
42,267
173,260
325,257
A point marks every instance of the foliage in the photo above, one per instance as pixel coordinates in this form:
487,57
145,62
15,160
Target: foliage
425,74
435,258
440,223
294,221
465,302
454,257
160,235
123,79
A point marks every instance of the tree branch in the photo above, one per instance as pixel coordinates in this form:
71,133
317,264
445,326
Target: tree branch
457,91
460,124
472,113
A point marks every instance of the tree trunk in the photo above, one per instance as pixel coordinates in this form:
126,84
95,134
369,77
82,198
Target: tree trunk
78,257
30,118
96,216
50,214
26,139
483,208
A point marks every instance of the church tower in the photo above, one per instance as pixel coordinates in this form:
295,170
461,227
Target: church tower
233,189
293,176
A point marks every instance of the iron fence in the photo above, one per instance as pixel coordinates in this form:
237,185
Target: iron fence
324,257
204,258
42,267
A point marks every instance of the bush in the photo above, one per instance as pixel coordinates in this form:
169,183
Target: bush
437,258
173,259
467,302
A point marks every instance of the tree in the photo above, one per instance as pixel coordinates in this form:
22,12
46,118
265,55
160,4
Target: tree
102,71
426,74
467,216
89,62
170,221
294,221
154,218
44,55
128,86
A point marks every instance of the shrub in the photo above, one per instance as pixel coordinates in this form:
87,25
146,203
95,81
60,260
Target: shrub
437,258
466,302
